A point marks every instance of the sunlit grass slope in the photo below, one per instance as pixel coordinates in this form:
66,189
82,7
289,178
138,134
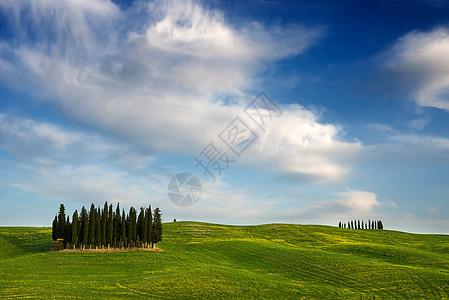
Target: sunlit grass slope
203,260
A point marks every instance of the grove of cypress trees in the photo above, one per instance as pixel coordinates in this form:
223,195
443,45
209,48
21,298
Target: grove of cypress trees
102,227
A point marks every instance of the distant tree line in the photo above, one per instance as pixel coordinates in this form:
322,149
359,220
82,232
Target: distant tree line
106,228
362,225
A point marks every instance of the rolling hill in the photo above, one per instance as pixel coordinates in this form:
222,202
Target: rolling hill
201,260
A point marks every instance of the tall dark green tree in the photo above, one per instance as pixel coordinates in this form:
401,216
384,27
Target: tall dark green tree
54,231
81,227
339,224
150,225
97,227
104,222
132,227
117,225
61,225
145,227
110,226
85,226
92,214
157,226
380,225
67,231
140,224
75,228
123,230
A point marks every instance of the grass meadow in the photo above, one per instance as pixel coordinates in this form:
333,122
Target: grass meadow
201,260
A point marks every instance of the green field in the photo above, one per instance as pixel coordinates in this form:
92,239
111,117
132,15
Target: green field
203,260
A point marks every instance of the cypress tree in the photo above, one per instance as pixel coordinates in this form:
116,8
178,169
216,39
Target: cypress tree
81,227
104,221
123,230
117,225
358,224
60,226
75,229
54,227
97,227
380,225
92,213
85,216
132,226
110,226
362,225
339,224
372,225
157,226
150,225
352,224
140,224
67,231
145,227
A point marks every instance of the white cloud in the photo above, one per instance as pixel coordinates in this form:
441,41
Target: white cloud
299,144
421,59
159,75
358,201
419,123
76,166
430,143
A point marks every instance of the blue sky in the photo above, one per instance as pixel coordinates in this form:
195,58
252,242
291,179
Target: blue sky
108,100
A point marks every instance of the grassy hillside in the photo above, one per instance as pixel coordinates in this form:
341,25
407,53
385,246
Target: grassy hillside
218,261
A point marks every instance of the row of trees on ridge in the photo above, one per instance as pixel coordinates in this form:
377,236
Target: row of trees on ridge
101,228
362,225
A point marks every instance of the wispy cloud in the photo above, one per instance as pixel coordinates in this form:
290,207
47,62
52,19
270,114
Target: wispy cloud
165,76
420,59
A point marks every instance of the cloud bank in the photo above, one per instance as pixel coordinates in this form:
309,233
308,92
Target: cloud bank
164,76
